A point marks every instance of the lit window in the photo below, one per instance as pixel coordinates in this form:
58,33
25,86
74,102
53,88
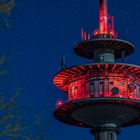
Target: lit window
120,83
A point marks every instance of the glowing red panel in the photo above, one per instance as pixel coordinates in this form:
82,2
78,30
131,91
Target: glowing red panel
99,80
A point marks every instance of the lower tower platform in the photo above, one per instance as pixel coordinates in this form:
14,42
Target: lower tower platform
103,97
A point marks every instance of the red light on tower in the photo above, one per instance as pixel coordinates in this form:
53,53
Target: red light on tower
59,103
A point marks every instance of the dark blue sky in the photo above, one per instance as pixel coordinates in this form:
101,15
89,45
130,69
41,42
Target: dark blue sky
41,31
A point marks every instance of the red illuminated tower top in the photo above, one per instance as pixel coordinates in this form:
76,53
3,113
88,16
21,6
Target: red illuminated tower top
106,22
103,45
103,17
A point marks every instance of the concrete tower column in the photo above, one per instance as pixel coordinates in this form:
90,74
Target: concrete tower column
106,132
104,55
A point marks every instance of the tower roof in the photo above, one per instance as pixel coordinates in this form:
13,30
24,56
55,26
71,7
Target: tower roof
87,48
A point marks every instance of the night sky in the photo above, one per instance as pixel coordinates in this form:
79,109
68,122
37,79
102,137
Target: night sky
40,32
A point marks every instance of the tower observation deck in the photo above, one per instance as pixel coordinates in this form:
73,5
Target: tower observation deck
103,96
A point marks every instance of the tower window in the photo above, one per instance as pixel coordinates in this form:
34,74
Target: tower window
101,82
111,83
91,83
115,90
83,85
120,83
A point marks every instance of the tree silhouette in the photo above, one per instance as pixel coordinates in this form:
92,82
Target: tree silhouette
14,120
6,7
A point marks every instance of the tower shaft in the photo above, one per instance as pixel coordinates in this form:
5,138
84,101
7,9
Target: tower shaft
106,132
106,135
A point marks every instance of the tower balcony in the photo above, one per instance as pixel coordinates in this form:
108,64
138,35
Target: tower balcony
100,80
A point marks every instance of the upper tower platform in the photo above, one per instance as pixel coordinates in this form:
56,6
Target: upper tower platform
104,49
103,45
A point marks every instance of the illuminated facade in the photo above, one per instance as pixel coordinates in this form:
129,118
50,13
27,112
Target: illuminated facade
103,96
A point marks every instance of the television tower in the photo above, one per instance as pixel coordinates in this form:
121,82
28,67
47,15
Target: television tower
103,96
